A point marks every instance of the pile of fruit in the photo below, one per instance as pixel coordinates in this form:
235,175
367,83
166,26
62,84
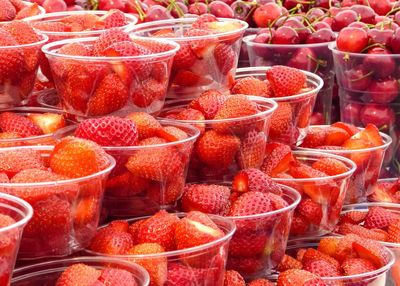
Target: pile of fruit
18,9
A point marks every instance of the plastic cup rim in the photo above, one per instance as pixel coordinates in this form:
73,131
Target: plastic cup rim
249,42
333,47
30,45
22,203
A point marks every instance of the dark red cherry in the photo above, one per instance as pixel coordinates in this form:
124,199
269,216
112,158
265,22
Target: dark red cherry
381,7
395,41
383,91
304,59
381,116
356,79
285,36
321,36
352,40
299,27
380,61
365,13
315,14
379,36
343,19
350,112
321,25
359,25
396,17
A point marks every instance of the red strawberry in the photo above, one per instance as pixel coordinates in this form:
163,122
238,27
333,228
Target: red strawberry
52,26
248,243
299,225
14,123
277,160
18,4
212,199
203,20
182,275
80,22
186,78
159,228
378,217
146,124
109,37
329,245
172,133
288,262
261,282
75,49
108,131
354,266
353,217
361,231
311,211
78,274
299,278
249,180
28,11
196,229
147,92
281,120
217,150
314,138
335,136
7,11
119,225
233,278
312,254
252,86
48,122
4,178
285,81
372,251
126,185
75,158
252,149
110,241
321,268
110,96
225,58
185,58
156,267
370,134
117,277
35,176
14,161
208,103
199,46
22,32
236,106
187,114
350,129
394,232
251,203
86,212
330,166
113,18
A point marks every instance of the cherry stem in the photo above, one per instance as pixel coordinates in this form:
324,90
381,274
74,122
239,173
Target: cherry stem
364,76
392,11
372,46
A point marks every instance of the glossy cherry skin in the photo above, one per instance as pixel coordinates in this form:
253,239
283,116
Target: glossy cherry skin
380,62
285,36
343,19
321,36
379,36
384,91
366,13
381,116
356,79
352,40
395,41
304,59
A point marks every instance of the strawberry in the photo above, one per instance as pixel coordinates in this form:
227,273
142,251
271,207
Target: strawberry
108,131
80,22
312,254
22,32
329,245
78,274
199,46
28,11
108,38
18,4
14,161
394,232
246,265
148,92
117,277
182,275
119,225
359,158
314,138
156,267
187,114
236,106
299,225
203,20
113,18
248,244
354,266
251,203
208,103
7,11
250,180
6,220
49,26
158,163
361,231
252,86
14,123
134,228
378,217
281,120
285,81
75,49
233,278
252,149
110,241
212,199
159,228
335,136
299,278
288,262
217,150
370,134
48,122
321,268
225,58
186,78
185,58
277,160
35,176
372,251
146,124
73,157
196,229
353,217
349,128
261,282
330,166
172,134
311,211
110,96
4,178
86,211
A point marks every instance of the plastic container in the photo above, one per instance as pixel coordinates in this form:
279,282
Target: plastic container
204,264
204,70
10,236
66,212
47,273
244,61
368,161
41,11
128,195
301,105
374,278
76,90
17,79
45,139
49,99
234,130
260,240
316,58
328,192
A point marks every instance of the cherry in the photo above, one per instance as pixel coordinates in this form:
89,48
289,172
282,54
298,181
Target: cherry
381,7
335,10
321,25
328,20
352,40
54,6
386,25
325,3
396,18
317,118
382,116
380,61
179,10
157,12
304,59
111,4
241,10
315,14
383,91
198,8
264,15
365,13
75,8
395,41
359,25
356,79
290,4
299,27
221,9
285,36
263,38
343,19
379,36
350,112
321,36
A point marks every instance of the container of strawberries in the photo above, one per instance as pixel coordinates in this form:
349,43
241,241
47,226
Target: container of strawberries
176,249
111,74
65,186
18,10
81,271
208,55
